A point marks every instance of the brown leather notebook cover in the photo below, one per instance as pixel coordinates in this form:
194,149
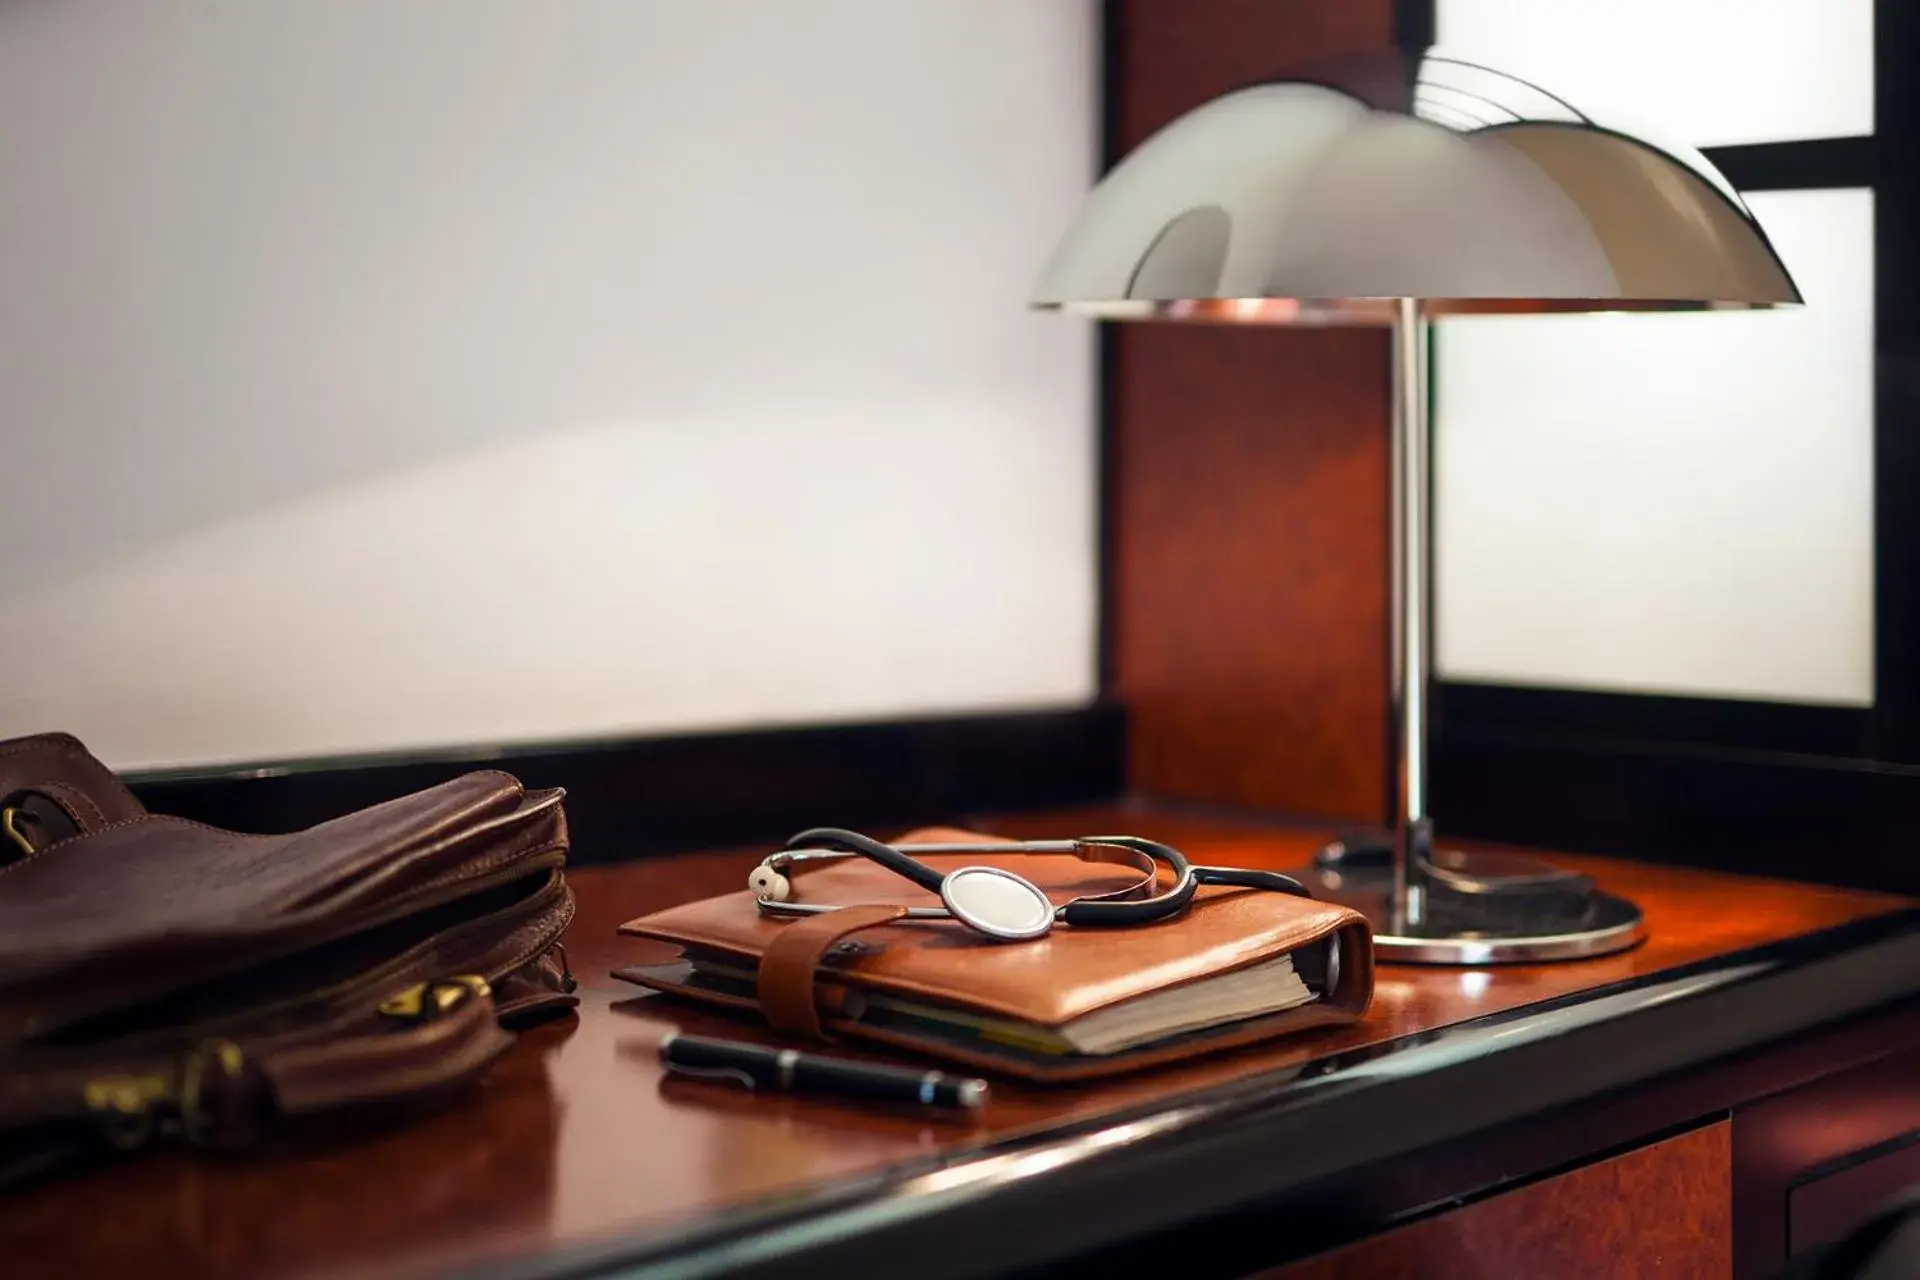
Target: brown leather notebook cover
826,970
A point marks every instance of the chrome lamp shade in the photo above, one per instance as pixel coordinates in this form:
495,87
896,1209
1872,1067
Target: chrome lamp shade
1326,199
1393,190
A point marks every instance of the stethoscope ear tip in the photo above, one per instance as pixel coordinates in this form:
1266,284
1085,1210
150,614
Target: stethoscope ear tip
769,885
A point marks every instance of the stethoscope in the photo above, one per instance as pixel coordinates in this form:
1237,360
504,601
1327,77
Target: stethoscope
999,903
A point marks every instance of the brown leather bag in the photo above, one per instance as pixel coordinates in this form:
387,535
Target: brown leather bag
161,979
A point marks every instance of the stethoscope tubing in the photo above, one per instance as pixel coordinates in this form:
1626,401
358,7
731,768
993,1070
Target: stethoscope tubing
1119,908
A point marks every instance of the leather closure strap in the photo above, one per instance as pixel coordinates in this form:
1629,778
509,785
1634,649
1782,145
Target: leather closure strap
445,1034
791,961
31,821
74,793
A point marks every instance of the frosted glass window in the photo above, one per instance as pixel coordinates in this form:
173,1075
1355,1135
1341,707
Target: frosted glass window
1668,503
1709,72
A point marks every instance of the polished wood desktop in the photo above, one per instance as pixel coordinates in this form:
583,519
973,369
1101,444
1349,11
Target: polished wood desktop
577,1143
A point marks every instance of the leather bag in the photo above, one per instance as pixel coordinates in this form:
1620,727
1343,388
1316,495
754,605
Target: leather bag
162,980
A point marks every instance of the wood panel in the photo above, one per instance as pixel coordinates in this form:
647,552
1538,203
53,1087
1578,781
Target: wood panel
1663,1210
1782,1144
1247,482
577,1135
1827,1209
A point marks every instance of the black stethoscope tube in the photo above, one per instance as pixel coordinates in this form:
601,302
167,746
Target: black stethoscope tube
1116,910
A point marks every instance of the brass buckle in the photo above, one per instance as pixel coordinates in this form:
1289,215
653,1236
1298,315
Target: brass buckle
13,832
124,1107
129,1108
426,1001
196,1125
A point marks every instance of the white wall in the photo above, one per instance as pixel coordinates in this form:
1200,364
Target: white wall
391,373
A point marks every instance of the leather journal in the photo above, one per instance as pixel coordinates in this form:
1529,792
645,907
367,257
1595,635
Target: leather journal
164,979
1238,966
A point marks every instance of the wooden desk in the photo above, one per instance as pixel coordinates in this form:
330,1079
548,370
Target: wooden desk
576,1150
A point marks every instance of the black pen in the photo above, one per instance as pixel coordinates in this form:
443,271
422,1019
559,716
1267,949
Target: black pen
790,1071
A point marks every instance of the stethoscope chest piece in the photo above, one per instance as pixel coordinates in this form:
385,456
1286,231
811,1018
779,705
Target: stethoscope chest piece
997,902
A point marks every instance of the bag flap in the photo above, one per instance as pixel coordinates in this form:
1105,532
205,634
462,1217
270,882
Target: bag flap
155,903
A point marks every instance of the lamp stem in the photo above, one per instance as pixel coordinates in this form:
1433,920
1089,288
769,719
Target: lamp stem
1412,620
1469,907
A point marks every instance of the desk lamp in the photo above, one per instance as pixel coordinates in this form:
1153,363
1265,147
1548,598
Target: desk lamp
1389,189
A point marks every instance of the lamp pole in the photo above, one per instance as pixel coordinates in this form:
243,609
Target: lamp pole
1412,613
1428,905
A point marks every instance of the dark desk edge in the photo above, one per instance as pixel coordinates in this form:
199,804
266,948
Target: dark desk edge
1027,1199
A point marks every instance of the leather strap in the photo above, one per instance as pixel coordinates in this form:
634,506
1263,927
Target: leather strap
55,766
792,959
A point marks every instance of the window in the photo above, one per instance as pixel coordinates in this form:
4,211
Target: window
1672,504
1678,503
1678,556
1713,72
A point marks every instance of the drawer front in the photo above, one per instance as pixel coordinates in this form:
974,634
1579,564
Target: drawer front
1663,1210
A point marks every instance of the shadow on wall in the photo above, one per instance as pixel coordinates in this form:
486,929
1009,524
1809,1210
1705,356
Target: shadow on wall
592,582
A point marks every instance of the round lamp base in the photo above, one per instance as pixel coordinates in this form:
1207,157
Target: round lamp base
1524,925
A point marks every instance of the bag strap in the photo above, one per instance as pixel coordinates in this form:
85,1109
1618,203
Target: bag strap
52,789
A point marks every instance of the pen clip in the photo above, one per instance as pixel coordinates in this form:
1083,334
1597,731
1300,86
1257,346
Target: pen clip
712,1073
